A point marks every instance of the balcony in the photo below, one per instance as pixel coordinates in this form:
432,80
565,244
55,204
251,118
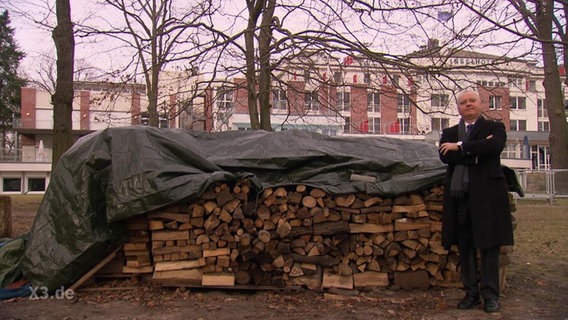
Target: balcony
33,124
26,155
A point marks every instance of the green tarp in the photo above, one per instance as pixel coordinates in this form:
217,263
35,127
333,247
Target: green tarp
11,253
117,173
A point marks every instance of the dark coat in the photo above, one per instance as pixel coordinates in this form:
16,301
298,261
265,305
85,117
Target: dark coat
488,191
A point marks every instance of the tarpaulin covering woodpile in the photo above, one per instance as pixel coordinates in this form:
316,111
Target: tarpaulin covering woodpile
117,173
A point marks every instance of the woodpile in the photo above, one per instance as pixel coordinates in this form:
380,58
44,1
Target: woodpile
294,236
137,246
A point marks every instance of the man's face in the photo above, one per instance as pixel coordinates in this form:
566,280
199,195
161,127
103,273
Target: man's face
469,106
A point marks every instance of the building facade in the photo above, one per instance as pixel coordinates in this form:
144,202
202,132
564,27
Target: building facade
360,98
351,96
96,106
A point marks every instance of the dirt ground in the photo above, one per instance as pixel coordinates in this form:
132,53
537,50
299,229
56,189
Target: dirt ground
536,287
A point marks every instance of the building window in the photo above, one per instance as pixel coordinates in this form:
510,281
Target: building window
403,103
404,124
494,102
543,126
487,84
531,86
518,103
12,184
366,77
343,101
439,123
395,80
338,77
347,125
540,156
541,110
279,101
439,100
518,125
375,125
373,101
36,184
311,99
512,151
224,98
163,121
515,82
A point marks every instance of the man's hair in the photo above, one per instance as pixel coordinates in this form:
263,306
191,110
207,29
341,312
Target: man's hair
468,90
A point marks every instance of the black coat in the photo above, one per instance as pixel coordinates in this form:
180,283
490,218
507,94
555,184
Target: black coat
488,191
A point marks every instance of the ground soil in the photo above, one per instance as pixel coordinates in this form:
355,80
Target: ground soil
536,287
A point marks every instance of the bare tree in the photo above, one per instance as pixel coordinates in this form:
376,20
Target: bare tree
62,99
545,23
303,33
155,31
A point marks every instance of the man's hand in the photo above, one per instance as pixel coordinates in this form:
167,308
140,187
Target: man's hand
448,146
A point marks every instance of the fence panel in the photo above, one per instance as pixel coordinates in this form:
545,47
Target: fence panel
545,184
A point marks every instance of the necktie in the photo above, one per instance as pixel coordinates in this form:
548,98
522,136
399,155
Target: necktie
468,129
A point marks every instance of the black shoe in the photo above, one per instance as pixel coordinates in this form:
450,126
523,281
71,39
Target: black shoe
469,302
491,306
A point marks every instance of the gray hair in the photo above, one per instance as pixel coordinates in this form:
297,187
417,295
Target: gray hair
468,90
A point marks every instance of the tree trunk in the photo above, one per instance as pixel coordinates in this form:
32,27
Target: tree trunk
255,8
553,91
153,118
62,99
565,44
265,68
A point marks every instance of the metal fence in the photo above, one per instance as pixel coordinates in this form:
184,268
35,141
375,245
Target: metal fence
544,184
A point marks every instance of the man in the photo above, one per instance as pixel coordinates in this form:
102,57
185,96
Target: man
476,204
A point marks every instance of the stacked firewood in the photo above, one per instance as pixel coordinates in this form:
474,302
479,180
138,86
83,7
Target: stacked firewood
137,246
199,243
301,236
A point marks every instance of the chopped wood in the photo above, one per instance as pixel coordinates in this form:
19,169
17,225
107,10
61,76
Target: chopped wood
317,193
331,280
179,217
264,236
370,279
408,208
193,250
179,265
187,275
156,225
170,235
294,236
345,200
370,228
216,252
283,228
309,202
408,224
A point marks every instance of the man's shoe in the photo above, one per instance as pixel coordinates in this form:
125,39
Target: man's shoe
491,306
469,302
